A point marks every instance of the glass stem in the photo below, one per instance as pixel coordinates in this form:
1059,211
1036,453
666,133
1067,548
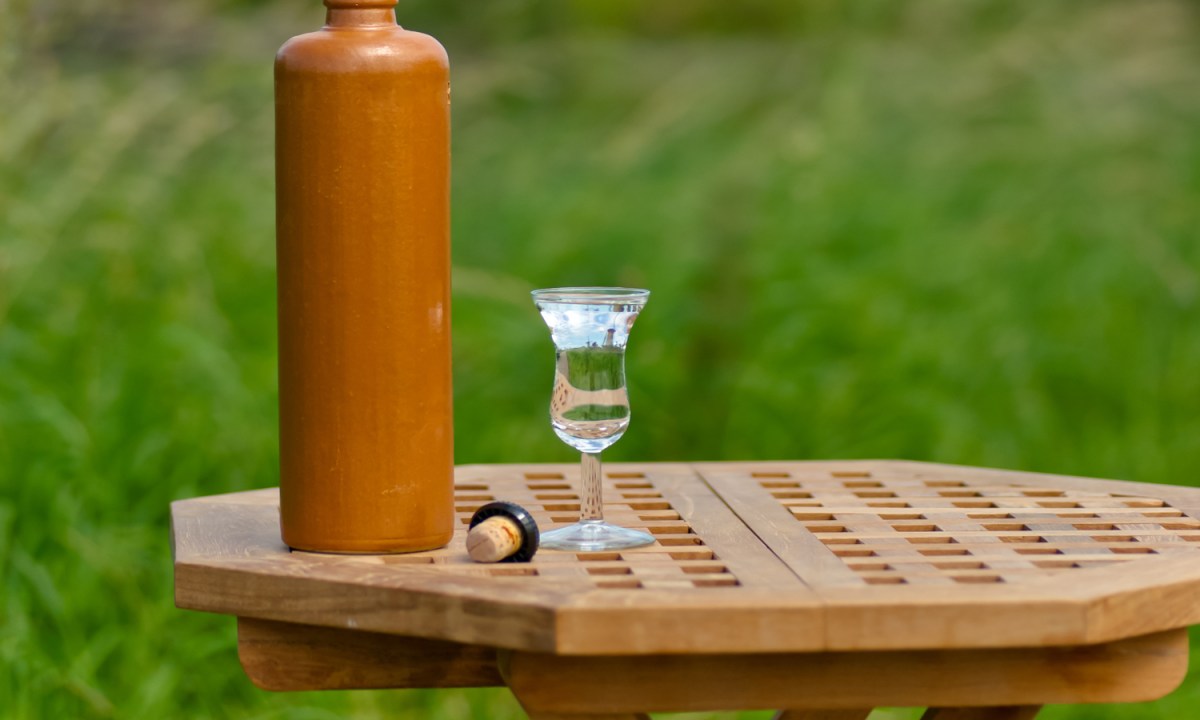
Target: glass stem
591,508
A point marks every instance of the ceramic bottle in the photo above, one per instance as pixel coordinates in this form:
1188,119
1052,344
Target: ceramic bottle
362,238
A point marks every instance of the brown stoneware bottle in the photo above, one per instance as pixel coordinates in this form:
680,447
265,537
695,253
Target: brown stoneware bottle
362,145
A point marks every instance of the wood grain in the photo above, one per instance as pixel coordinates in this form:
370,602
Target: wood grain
735,545
1127,671
285,656
780,557
662,622
801,551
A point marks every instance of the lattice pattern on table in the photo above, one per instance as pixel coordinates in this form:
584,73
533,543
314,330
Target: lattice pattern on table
892,527
679,559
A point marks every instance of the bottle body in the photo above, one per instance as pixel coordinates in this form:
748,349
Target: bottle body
362,203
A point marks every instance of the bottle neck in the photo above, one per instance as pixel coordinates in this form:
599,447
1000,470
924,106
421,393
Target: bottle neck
359,17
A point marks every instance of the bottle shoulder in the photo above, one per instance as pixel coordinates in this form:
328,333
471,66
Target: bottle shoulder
358,49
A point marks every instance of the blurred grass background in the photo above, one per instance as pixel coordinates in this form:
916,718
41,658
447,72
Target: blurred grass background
951,230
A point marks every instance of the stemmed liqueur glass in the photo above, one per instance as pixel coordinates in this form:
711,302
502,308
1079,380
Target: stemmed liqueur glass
589,408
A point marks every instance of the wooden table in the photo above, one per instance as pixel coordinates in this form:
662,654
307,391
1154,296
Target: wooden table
825,588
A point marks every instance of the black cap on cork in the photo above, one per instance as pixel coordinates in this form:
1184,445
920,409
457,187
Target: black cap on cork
521,518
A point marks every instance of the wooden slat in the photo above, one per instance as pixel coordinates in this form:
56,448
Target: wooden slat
907,616
734,544
438,609
1127,671
1142,597
776,528
285,656
232,526
749,620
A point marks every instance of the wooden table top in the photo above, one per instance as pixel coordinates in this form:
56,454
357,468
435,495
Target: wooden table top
750,558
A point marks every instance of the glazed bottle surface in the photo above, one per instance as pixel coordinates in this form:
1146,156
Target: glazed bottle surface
362,236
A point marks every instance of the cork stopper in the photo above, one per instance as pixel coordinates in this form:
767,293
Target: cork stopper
502,532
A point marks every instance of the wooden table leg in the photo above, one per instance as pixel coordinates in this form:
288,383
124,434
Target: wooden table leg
822,715
1012,712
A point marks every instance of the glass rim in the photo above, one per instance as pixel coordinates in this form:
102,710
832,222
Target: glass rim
585,295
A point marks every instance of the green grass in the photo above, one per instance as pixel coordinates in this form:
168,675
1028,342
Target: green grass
952,231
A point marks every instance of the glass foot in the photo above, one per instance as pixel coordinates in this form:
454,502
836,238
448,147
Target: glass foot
593,536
